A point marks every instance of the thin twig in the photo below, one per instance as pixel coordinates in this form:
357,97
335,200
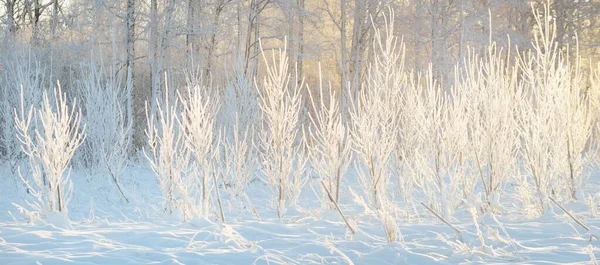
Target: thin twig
337,207
580,223
456,231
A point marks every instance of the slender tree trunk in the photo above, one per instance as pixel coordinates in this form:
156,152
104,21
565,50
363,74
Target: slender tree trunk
560,23
434,38
344,81
256,46
55,8
461,47
239,31
37,13
191,28
367,34
291,36
300,41
213,38
166,37
130,64
252,19
417,36
356,50
153,58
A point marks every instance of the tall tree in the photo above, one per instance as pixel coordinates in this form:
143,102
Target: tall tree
300,55
344,62
153,55
130,63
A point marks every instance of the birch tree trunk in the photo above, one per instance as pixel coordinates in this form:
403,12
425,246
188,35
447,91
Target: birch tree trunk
356,50
290,11
256,46
300,54
153,55
191,28
344,62
239,32
165,39
130,63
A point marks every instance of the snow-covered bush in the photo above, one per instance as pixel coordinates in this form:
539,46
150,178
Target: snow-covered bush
437,158
50,147
242,106
374,116
490,87
538,113
329,150
108,136
239,117
240,160
283,158
169,157
412,110
574,110
555,118
197,121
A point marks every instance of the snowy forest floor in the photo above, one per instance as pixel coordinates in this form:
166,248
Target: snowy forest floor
104,229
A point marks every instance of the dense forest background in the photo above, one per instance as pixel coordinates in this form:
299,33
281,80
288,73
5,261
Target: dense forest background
140,44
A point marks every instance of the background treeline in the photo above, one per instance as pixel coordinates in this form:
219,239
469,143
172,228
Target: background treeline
137,41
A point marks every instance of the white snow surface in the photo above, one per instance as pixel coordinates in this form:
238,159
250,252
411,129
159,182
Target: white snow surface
103,229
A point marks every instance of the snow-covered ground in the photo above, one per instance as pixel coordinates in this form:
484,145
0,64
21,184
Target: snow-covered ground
104,229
